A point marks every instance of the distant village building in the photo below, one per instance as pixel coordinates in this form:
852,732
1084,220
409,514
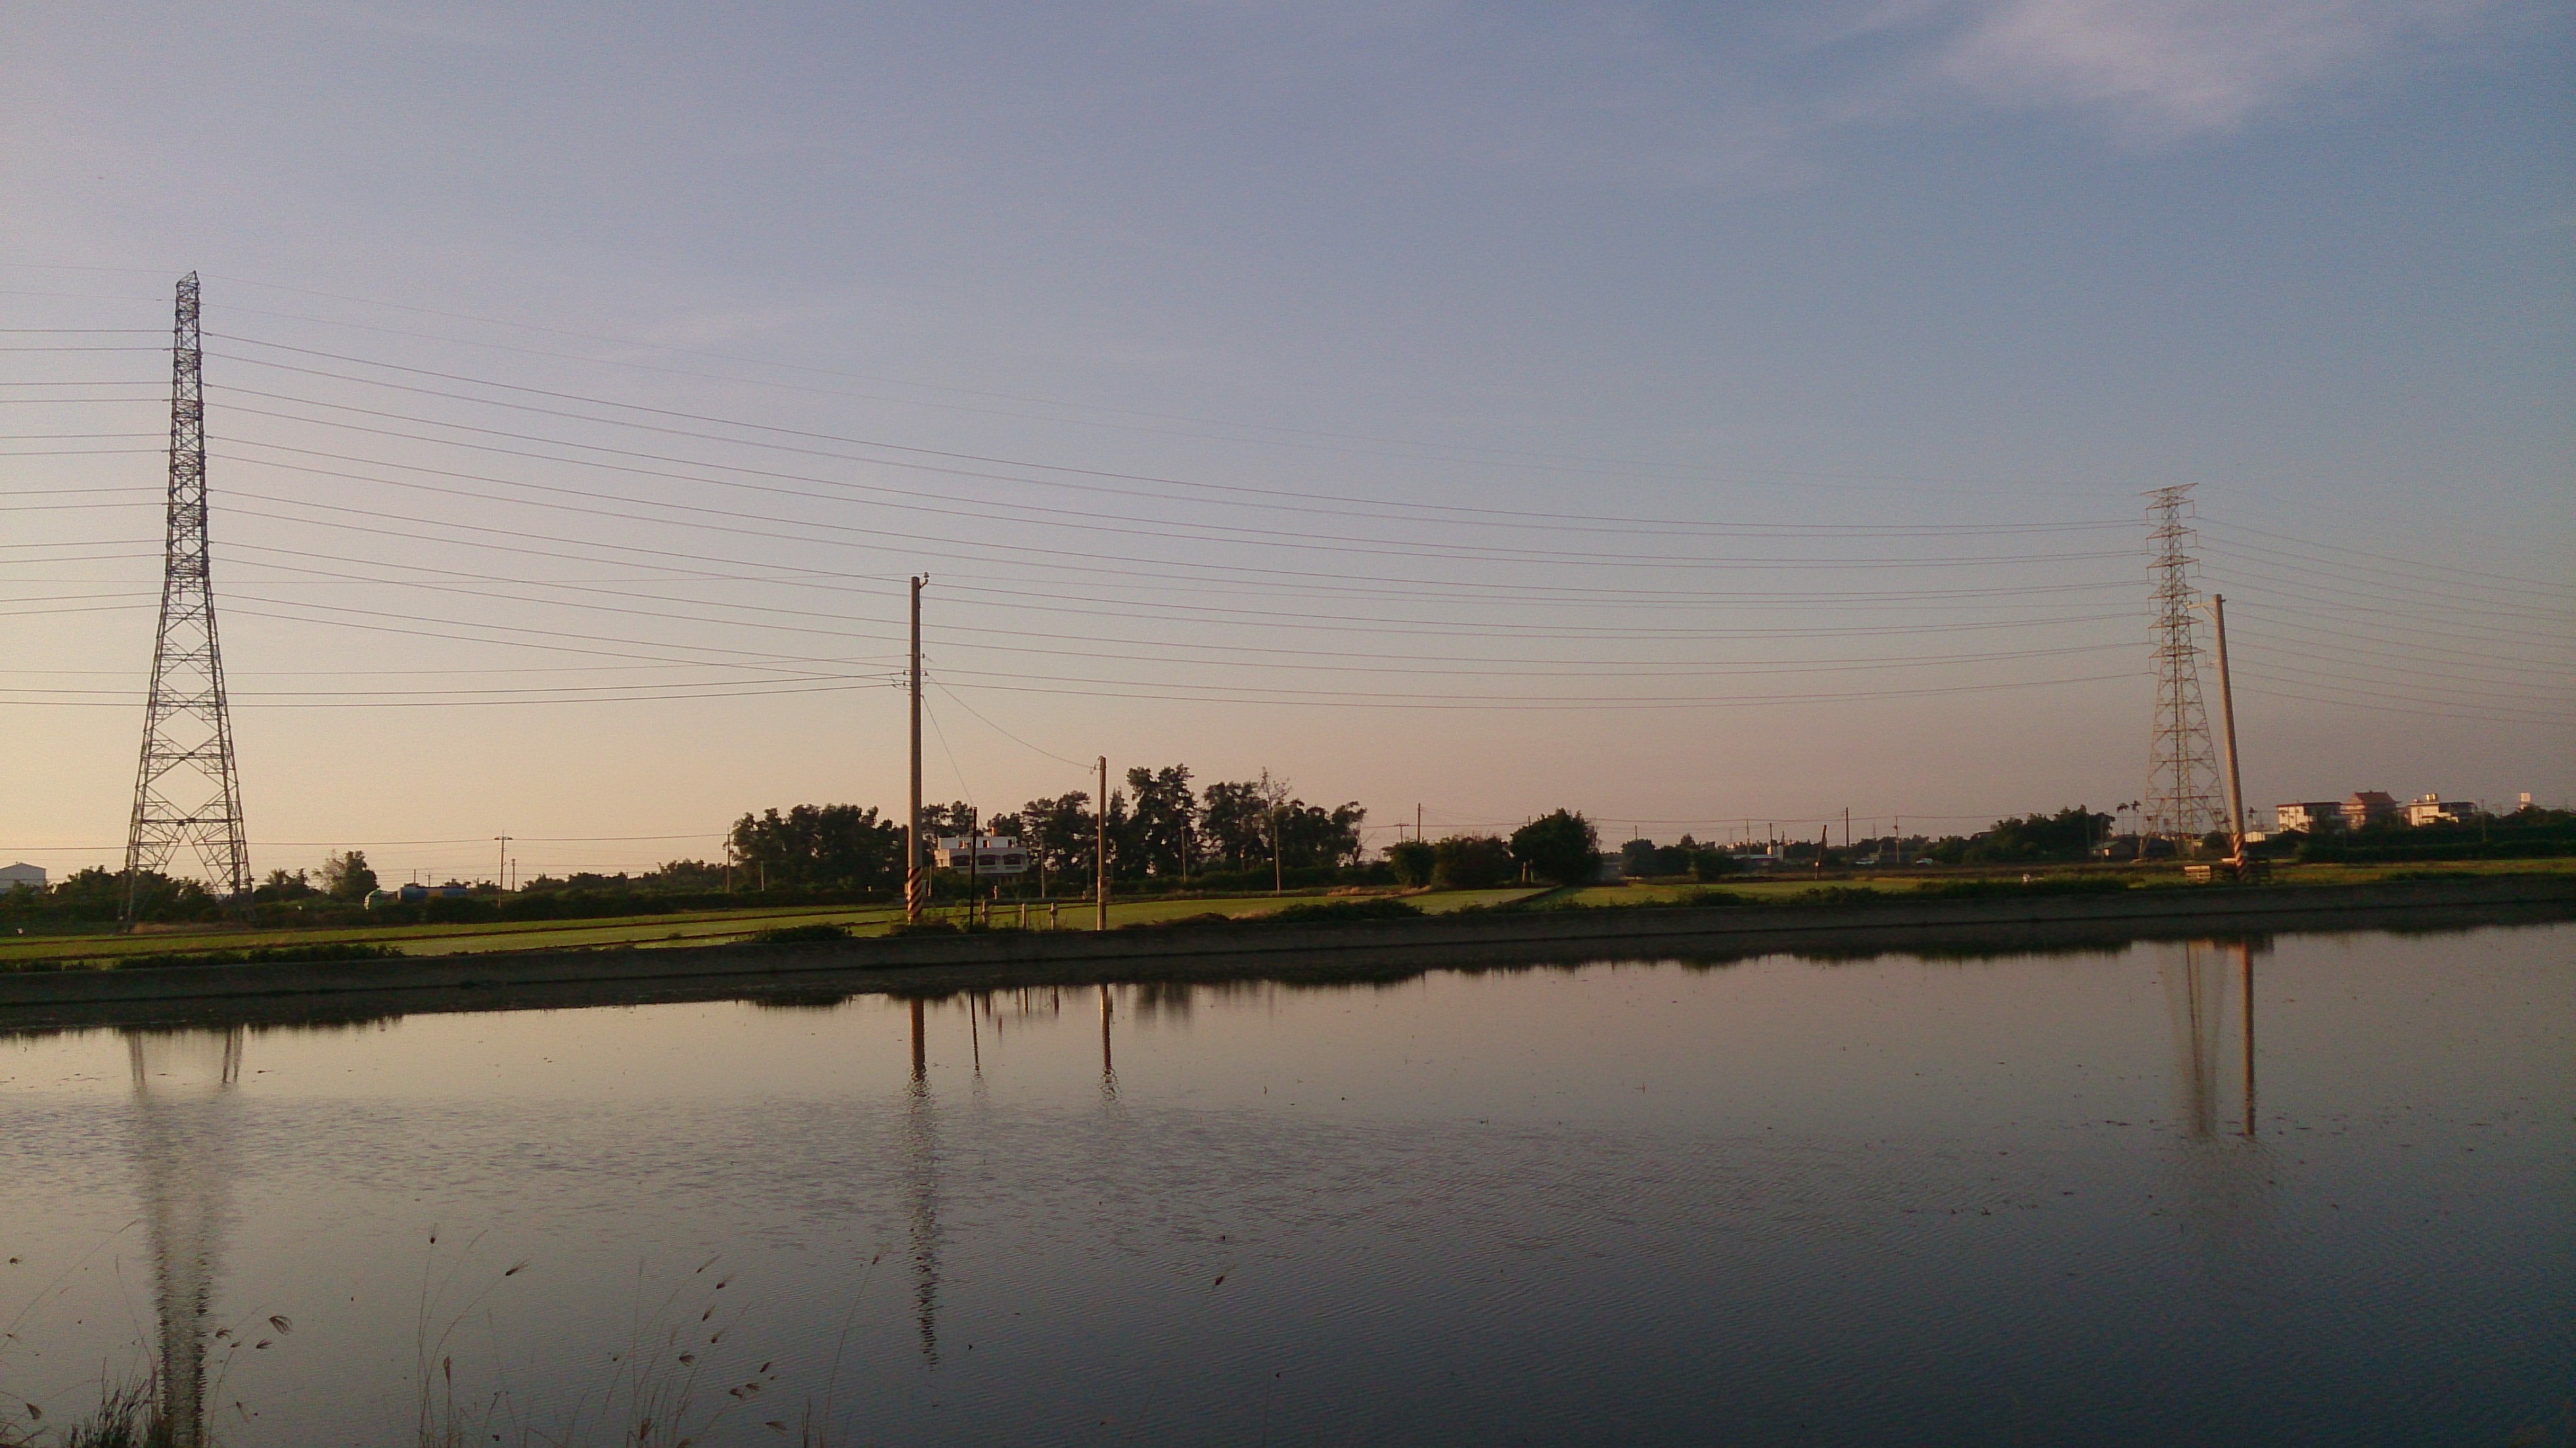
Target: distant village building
2429,809
21,874
2370,807
996,855
2308,817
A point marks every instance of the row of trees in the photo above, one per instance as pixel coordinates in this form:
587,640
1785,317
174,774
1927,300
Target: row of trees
1159,828
2070,834
1561,848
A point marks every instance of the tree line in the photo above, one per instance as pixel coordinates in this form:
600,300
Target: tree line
1160,829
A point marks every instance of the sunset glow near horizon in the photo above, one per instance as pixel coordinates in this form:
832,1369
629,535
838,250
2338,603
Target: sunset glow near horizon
1702,420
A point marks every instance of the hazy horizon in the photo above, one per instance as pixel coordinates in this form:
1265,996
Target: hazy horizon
1689,417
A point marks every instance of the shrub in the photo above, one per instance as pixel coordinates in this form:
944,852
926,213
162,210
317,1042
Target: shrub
1471,862
1561,848
1335,910
802,935
1412,861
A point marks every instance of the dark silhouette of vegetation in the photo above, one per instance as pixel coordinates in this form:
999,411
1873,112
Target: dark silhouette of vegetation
281,887
1561,848
1161,834
345,875
1643,859
1472,862
96,896
1411,862
820,847
2069,834
802,935
1325,912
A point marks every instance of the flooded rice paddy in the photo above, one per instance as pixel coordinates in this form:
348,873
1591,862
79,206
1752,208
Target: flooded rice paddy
2079,1198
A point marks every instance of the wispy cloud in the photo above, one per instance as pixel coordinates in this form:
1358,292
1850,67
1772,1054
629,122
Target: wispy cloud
2163,70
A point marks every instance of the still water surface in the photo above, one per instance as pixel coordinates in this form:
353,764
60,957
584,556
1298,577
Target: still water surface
2035,1198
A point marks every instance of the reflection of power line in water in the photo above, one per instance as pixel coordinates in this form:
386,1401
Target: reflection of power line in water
180,1080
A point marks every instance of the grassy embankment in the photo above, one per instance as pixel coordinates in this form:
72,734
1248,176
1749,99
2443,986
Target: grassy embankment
713,927
1789,886
716,927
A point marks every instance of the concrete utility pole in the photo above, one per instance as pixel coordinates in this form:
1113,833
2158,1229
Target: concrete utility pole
916,880
1100,855
2227,720
502,879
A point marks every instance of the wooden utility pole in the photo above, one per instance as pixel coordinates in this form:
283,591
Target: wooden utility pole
2227,717
1100,863
916,880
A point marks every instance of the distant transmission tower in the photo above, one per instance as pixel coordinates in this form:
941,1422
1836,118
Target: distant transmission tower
186,792
2183,800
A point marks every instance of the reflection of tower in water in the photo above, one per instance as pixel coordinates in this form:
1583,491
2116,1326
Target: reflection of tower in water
2225,1174
180,1081
2196,993
921,1147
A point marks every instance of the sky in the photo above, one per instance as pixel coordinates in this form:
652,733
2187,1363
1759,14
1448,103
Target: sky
1708,418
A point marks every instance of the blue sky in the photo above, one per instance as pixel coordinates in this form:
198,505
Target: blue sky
1807,291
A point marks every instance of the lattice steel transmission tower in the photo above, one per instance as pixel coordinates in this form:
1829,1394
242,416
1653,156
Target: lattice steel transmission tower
186,792
2183,801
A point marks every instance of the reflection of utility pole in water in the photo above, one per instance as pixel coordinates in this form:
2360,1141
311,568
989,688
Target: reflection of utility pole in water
921,1145
2245,970
1108,1068
180,1080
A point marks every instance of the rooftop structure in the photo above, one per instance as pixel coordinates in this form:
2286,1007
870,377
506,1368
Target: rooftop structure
2370,807
2308,817
2429,809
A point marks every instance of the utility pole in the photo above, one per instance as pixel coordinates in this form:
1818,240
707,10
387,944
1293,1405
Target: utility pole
186,791
1278,865
2227,734
916,880
1846,827
1417,824
502,879
1100,855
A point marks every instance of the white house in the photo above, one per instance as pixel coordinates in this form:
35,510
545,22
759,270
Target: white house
2428,809
995,855
21,873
